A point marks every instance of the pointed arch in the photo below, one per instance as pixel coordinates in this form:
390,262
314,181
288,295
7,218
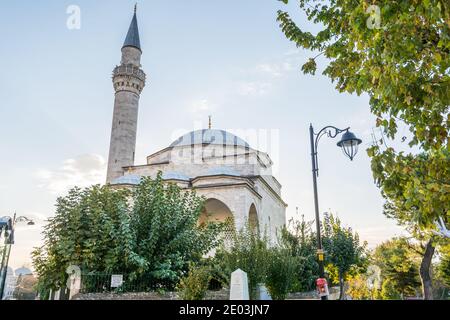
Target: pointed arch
215,210
253,219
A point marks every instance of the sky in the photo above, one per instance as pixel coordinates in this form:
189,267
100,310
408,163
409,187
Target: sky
228,59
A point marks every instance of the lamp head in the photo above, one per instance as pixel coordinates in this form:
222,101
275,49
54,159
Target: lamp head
349,144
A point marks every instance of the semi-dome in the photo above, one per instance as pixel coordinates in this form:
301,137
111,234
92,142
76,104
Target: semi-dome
223,171
175,176
210,136
128,179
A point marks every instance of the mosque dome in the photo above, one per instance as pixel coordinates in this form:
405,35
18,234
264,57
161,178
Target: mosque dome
223,171
127,179
174,176
210,136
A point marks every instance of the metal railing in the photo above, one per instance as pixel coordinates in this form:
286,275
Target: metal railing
108,283
129,70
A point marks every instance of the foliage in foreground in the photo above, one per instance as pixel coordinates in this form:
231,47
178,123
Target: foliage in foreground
149,230
247,251
343,250
299,239
281,272
195,285
398,53
399,262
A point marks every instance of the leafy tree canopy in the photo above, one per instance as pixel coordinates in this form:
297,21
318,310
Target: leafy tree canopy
399,261
299,239
395,51
343,249
152,230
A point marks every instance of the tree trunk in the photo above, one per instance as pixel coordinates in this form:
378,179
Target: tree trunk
425,271
341,286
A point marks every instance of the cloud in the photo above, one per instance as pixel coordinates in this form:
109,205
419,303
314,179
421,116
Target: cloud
274,69
200,106
253,88
261,78
292,52
376,235
82,171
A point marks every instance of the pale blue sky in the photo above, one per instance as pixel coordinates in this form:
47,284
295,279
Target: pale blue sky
225,58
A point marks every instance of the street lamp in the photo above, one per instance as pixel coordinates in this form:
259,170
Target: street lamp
7,225
349,144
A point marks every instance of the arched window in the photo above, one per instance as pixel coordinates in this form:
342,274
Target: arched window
253,219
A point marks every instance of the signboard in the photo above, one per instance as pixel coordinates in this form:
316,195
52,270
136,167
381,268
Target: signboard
116,280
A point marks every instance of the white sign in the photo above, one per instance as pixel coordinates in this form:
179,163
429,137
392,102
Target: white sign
116,280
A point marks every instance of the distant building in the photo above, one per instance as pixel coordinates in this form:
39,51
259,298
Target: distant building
23,271
19,282
10,284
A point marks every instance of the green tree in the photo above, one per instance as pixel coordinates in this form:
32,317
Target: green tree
149,230
442,273
195,285
444,265
389,290
342,249
401,62
358,288
249,251
396,52
299,239
416,194
164,220
399,262
281,273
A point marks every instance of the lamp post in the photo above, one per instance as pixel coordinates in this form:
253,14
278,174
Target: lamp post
349,145
7,225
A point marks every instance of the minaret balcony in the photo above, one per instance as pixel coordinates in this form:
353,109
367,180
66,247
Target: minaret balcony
129,78
129,71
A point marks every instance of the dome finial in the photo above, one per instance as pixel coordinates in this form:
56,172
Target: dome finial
210,122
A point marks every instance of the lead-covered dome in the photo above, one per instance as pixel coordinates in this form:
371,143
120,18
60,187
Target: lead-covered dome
210,136
228,171
127,179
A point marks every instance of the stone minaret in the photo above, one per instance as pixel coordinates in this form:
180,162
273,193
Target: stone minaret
129,80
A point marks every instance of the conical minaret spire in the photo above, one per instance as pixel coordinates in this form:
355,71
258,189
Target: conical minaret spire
129,81
132,39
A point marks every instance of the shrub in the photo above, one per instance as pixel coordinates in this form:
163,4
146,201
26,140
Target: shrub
195,285
389,291
248,252
151,229
300,240
281,273
358,288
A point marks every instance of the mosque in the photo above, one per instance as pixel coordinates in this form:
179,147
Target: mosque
235,179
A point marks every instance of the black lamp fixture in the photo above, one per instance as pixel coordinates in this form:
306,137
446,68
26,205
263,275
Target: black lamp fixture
349,144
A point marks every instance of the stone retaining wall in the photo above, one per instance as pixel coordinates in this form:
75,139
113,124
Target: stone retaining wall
210,295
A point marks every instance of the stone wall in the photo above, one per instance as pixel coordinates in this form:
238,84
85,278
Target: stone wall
312,295
211,295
